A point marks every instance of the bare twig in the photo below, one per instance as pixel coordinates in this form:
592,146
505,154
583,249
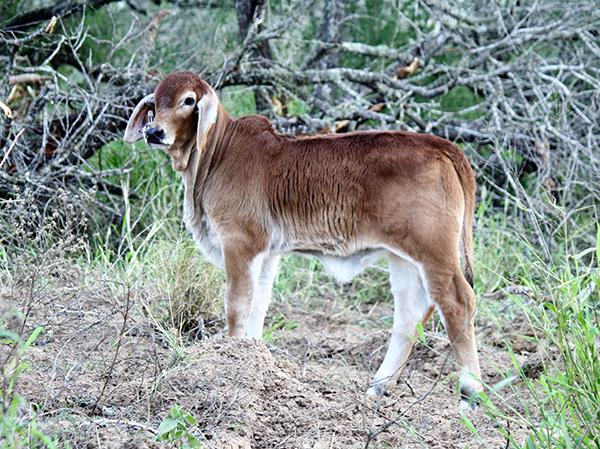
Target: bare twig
116,354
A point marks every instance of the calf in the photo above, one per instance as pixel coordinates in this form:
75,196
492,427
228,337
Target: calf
252,194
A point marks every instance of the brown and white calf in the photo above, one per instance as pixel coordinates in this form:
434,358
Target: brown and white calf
252,194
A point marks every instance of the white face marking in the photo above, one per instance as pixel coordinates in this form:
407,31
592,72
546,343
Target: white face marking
187,100
165,142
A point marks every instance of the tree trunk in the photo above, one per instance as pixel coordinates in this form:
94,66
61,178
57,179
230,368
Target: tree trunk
247,11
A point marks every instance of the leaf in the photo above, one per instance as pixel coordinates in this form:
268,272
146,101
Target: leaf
9,335
550,306
190,420
166,426
51,25
504,383
193,441
420,332
33,336
469,424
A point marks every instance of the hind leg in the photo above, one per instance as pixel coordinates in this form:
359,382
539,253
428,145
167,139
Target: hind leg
456,301
411,306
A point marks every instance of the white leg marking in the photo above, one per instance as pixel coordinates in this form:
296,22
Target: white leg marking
469,384
469,380
263,287
410,306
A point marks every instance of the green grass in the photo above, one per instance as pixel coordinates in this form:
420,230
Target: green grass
560,407
277,323
19,430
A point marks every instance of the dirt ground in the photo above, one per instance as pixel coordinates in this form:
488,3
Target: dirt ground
305,389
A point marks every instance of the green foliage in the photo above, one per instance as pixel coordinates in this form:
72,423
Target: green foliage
279,322
17,433
460,98
18,427
158,200
568,393
176,428
149,170
238,101
560,408
392,29
296,108
8,9
101,22
15,366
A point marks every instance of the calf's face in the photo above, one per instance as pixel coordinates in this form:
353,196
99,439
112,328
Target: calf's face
180,112
174,120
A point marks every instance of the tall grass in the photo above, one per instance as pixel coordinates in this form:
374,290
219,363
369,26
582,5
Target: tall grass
559,402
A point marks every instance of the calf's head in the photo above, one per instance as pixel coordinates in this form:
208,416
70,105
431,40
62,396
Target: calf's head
177,116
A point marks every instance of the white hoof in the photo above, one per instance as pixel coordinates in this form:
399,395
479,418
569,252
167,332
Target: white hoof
470,387
377,391
466,407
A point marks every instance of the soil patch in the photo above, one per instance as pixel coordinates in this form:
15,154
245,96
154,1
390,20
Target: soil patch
305,389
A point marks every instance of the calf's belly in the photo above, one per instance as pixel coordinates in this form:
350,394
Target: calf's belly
345,267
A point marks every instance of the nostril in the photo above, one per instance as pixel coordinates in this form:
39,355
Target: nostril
155,135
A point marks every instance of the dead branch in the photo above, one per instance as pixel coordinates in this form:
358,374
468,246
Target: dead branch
113,363
62,9
27,78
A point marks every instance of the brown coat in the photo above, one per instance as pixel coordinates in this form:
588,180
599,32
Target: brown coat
252,194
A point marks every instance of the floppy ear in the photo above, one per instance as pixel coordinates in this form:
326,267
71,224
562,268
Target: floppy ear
208,107
141,116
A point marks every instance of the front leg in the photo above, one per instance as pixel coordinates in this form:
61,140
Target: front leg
243,266
262,297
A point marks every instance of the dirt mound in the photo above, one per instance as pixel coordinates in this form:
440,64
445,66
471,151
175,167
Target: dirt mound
248,398
305,390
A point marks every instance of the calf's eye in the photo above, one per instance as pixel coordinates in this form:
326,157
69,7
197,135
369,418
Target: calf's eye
189,101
